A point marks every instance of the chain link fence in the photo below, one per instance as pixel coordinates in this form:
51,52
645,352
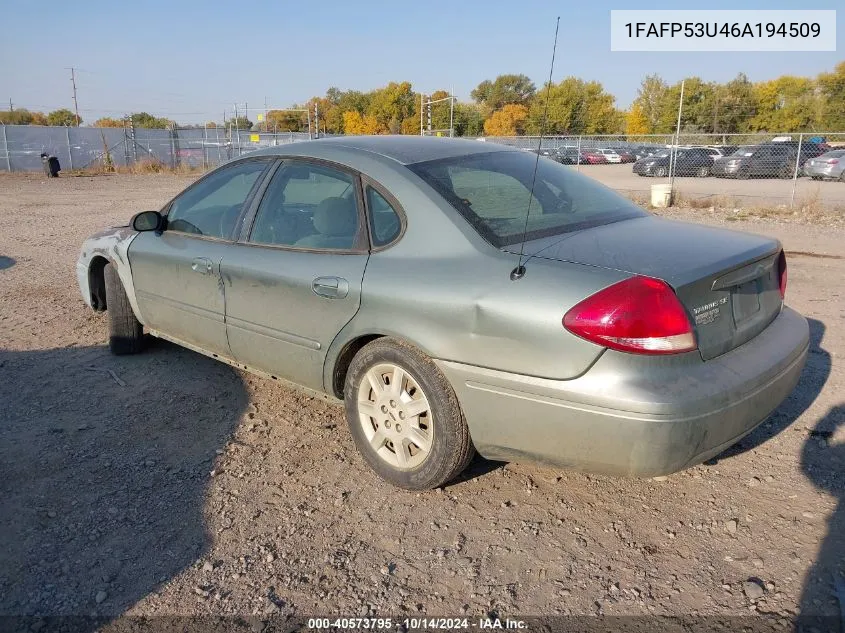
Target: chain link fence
721,169
80,148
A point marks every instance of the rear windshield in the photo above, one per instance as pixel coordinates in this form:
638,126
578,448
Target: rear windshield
492,192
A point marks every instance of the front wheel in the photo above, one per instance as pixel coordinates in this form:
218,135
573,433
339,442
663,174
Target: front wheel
660,172
126,334
404,416
703,172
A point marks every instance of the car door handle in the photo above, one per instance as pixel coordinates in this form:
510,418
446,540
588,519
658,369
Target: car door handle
202,265
331,287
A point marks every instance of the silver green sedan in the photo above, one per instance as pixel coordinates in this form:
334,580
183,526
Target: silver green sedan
455,300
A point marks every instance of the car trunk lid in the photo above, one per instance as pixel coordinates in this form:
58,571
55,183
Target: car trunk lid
728,281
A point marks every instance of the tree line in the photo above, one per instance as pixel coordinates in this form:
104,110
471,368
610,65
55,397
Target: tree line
512,104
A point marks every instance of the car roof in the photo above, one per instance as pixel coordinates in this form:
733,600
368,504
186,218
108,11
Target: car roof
404,149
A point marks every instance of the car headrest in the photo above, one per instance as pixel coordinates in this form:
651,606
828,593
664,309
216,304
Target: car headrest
336,217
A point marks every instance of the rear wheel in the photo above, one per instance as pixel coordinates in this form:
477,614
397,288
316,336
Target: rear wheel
126,334
842,176
404,416
703,172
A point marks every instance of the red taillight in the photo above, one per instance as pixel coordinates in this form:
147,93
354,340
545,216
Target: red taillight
832,161
640,315
782,274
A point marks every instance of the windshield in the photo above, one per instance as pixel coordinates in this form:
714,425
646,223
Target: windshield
492,192
747,150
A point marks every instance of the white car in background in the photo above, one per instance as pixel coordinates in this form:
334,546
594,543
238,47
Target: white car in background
610,155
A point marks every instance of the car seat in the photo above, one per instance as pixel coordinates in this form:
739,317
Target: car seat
336,222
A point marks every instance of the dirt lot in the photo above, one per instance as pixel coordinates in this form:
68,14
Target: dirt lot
167,483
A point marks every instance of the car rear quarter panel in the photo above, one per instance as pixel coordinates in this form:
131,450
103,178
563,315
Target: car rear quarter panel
447,291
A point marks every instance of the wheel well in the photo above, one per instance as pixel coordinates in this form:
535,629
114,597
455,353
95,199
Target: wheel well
341,366
97,283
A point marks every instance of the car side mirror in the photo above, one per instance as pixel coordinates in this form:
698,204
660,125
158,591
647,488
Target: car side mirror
147,221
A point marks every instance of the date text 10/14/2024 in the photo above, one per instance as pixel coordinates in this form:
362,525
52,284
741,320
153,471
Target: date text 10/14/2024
417,623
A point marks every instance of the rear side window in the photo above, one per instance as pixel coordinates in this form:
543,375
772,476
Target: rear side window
385,223
308,206
492,191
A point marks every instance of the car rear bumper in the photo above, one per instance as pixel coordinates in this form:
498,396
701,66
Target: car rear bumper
820,171
723,169
634,415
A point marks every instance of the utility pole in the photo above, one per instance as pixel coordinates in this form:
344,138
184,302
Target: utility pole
673,155
316,121
75,104
11,108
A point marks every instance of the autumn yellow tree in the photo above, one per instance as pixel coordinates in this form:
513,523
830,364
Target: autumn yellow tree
509,121
785,104
636,121
354,123
107,122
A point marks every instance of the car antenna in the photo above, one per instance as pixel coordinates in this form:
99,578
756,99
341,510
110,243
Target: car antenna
519,272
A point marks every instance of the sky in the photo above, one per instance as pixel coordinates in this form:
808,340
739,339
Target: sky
189,60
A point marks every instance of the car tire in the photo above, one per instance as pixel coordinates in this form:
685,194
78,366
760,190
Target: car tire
842,177
703,172
434,446
126,334
742,174
660,172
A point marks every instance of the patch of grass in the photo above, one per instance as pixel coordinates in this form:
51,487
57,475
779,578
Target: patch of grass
147,166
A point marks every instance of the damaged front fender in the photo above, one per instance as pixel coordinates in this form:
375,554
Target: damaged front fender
111,245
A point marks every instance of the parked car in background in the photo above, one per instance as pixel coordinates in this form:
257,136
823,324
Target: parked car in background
401,278
643,151
568,156
829,165
626,155
610,155
768,160
593,157
807,149
715,152
688,161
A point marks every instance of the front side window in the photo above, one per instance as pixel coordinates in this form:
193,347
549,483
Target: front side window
212,206
308,206
492,192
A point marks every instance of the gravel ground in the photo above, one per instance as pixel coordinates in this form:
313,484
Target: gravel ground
167,483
